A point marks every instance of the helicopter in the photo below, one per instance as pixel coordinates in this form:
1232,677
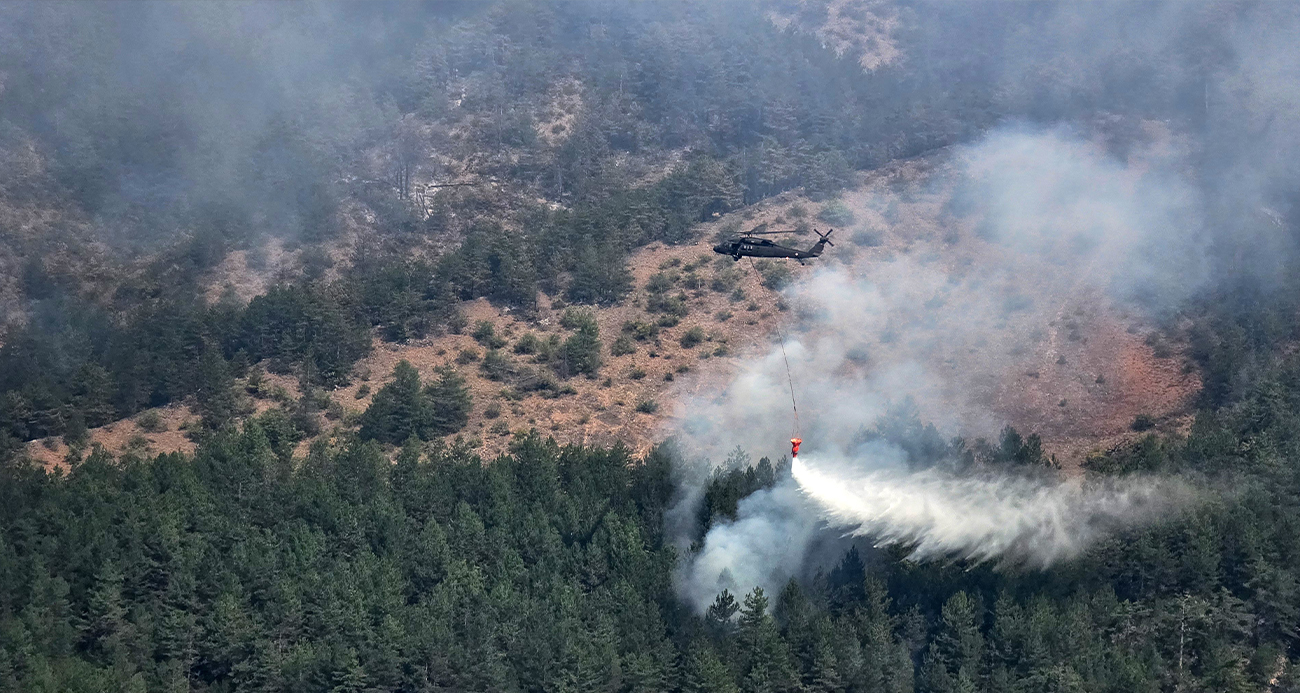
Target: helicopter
750,245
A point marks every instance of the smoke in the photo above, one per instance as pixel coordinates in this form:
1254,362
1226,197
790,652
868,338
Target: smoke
1157,162
764,547
972,267
1014,519
1135,226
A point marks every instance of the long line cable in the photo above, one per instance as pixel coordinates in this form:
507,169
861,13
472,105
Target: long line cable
789,377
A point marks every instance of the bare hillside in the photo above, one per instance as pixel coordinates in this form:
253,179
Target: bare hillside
1008,338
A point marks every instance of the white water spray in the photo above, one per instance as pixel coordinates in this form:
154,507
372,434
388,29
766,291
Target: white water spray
1013,519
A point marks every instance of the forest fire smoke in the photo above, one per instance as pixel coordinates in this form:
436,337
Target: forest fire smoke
907,318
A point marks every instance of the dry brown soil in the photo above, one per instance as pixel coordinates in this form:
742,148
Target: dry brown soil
1074,367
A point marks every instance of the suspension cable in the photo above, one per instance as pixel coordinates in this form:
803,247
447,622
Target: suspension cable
789,377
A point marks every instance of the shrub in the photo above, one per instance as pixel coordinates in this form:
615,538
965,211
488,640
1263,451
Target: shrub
661,282
691,337
457,322
669,305
727,229
535,380
467,355
775,274
362,391
866,239
637,373
640,331
485,333
149,421
496,366
622,346
527,344
647,406
492,411
836,213
722,315
280,394
138,444
1143,422
726,279
582,350
798,211
577,319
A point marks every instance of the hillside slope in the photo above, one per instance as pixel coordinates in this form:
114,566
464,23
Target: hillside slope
1043,350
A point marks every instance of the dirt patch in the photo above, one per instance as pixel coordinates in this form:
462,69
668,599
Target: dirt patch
862,29
555,122
604,409
1091,378
166,436
1011,338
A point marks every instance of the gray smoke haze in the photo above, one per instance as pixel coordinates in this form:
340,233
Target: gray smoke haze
985,248
1086,207
981,252
981,247
938,514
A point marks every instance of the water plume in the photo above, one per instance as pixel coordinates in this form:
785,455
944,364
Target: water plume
1009,519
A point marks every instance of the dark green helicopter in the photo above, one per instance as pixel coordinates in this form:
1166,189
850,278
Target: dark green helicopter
750,245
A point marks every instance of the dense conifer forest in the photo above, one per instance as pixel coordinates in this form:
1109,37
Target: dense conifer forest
395,558
242,568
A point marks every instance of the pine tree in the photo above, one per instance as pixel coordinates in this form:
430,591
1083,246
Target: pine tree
348,675
600,275
955,659
704,672
399,410
582,351
218,404
765,658
105,624
449,403
723,607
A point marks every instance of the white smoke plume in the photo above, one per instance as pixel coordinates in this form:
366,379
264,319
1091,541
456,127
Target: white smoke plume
764,547
974,259
1019,520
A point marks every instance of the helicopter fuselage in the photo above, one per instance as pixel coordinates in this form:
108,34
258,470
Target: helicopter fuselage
759,248
749,246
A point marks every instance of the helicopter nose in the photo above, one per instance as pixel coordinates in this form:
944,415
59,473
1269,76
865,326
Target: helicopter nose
719,248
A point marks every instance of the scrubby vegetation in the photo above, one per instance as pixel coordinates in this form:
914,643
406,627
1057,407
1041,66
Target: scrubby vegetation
406,408
374,165
263,560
